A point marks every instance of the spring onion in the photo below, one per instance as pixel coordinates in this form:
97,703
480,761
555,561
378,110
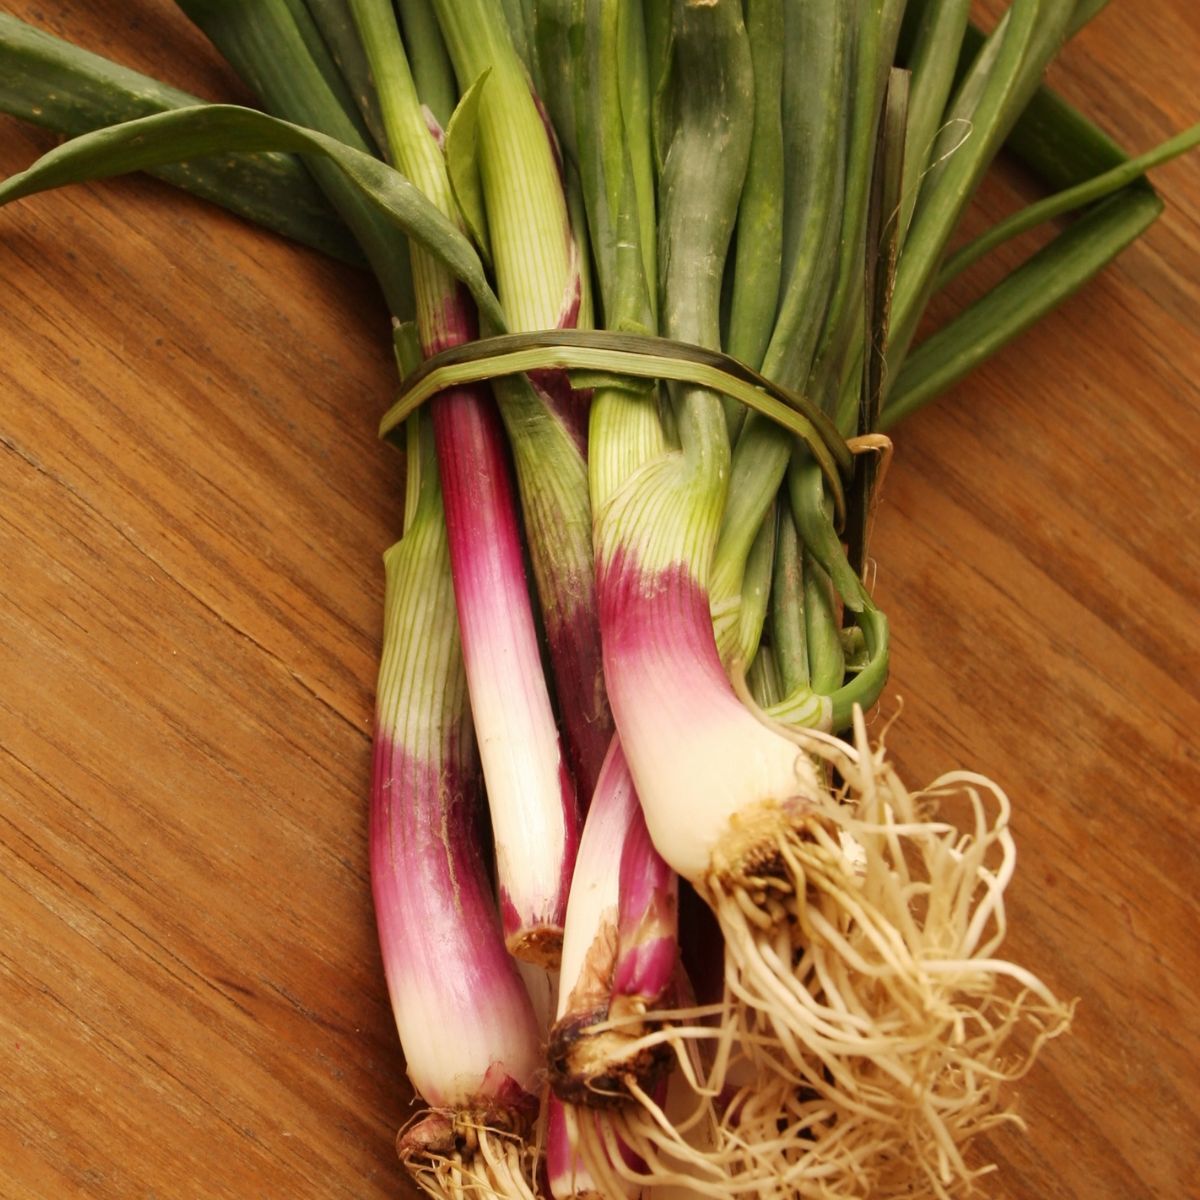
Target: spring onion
698,179
428,871
532,798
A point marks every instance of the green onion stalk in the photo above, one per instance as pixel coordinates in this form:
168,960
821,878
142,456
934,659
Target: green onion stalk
621,946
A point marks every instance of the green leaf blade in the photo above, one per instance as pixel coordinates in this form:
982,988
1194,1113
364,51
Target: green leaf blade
222,128
462,164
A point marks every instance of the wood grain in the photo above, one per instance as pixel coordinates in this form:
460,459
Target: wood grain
192,510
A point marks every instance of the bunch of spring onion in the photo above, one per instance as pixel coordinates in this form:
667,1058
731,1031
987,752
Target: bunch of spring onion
657,267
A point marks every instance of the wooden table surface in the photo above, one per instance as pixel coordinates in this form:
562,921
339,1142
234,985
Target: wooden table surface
192,511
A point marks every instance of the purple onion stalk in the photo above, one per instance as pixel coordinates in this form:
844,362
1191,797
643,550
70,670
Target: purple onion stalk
619,952
443,951
568,1175
530,791
858,931
539,281
531,794
708,771
706,768
592,1060
715,782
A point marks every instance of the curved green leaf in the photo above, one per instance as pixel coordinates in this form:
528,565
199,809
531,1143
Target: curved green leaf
225,128
54,84
638,356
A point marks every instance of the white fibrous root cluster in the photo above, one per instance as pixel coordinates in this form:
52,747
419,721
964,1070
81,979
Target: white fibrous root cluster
453,1157
868,1023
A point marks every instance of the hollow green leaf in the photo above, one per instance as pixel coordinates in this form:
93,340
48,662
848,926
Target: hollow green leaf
1066,201
277,50
428,59
1022,299
883,244
1052,138
336,25
1085,11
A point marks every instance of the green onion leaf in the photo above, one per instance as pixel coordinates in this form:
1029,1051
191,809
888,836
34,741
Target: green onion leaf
51,83
462,163
1022,299
1066,201
224,128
